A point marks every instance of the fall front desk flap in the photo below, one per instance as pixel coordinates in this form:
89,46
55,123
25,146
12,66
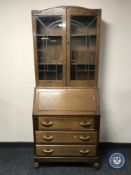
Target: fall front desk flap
71,101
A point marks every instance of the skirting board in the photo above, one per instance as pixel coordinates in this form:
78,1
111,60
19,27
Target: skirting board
31,144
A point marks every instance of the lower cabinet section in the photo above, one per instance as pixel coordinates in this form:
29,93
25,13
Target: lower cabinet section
66,139
65,150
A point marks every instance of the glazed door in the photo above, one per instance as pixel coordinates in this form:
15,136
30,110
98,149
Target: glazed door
82,47
50,47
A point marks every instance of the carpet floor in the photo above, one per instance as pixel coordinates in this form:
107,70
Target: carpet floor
18,160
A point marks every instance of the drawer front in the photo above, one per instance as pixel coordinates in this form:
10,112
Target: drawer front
66,137
68,150
61,123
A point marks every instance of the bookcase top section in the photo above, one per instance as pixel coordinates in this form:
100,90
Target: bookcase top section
66,101
66,47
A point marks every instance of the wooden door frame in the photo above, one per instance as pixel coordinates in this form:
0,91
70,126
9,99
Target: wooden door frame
83,11
50,12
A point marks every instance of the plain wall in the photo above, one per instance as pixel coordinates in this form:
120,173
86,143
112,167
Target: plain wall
17,79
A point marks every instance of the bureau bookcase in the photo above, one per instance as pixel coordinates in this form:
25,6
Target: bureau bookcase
66,116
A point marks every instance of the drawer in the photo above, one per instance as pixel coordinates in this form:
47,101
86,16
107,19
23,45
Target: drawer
65,123
66,137
68,150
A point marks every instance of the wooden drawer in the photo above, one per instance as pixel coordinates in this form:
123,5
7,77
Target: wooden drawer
68,150
65,123
66,137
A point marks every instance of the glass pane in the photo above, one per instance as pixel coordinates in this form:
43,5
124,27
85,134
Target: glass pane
50,72
83,47
49,48
82,72
49,25
83,25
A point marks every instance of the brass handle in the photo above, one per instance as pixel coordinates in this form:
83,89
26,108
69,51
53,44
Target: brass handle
84,151
85,138
48,151
47,124
85,124
48,138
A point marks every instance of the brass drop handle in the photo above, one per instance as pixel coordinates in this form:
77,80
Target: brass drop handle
85,124
48,151
84,151
48,138
47,123
85,138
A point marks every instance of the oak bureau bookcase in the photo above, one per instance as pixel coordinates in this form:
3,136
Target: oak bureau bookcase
66,102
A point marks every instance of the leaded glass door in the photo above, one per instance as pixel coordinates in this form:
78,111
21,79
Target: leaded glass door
50,48
83,33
